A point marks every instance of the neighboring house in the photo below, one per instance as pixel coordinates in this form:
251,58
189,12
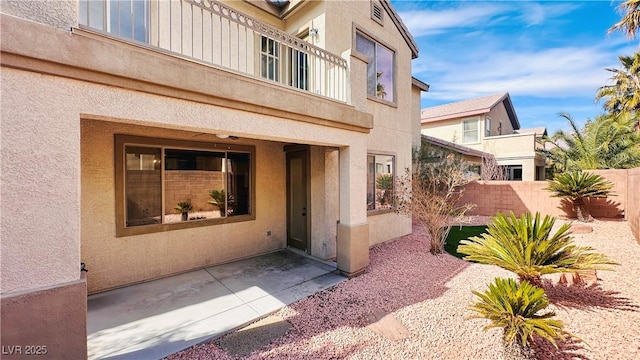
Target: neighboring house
114,112
489,124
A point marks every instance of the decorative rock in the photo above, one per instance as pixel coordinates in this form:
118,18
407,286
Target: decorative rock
581,228
387,325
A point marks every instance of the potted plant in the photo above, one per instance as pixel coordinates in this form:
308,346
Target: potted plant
184,207
218,198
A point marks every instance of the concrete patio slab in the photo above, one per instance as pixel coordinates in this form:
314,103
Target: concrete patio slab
157,318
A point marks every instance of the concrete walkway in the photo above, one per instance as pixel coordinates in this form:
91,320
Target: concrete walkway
157,318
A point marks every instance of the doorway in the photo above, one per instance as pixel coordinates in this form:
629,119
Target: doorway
298,197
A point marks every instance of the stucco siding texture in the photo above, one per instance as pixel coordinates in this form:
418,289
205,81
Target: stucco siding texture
40,185
41,178
114,261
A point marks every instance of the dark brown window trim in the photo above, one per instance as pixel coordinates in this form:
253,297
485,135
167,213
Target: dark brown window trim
122,140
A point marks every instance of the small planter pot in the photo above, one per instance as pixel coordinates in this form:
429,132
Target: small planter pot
185,216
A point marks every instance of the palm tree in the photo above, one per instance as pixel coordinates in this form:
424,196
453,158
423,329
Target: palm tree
516,308
526,247
623,95
607,142
578,185
631,20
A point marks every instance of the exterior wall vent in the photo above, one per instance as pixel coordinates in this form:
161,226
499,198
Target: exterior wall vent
377,13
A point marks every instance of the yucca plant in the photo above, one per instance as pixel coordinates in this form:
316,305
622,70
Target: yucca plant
578,185
526,247
518,310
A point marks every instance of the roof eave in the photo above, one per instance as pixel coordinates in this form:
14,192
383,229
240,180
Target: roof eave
408,38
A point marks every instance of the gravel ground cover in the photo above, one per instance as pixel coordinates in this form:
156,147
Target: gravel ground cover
430,296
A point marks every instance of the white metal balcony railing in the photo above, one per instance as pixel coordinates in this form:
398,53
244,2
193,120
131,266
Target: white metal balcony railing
215,34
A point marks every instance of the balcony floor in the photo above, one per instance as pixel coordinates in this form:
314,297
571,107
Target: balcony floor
155,319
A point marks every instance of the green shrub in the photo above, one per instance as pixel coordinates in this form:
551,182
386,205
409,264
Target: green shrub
526,247
517,309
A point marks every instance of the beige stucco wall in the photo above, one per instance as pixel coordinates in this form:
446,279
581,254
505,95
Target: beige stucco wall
499,114
393,123
115,260
450,130
40,185
27,139
43,246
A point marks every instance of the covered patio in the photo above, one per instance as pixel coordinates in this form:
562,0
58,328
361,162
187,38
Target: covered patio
157,318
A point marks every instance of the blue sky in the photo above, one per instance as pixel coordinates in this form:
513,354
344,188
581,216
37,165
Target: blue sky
549,55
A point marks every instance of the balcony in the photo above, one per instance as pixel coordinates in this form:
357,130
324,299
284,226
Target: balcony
214,34
511,145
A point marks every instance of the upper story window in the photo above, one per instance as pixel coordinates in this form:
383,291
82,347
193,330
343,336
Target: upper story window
126,18
380,69
380,180
470,131
171,184
487,127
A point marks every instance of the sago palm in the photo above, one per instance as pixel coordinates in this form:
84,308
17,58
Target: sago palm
526,247
518,310
575,186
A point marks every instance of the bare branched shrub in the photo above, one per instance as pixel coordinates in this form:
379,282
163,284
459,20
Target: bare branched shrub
491,170
430,192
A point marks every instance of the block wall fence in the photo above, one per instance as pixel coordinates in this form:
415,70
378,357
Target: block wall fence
492,197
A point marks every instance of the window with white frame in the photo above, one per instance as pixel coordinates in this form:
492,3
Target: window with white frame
380,69
163,183
126,18
380,181
470,131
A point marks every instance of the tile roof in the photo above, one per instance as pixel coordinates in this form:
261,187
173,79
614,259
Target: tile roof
470,107
475,106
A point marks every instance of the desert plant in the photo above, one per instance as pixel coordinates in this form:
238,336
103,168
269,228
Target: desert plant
575,186
518,310
184,207
526,247
430,192
384,183
218,199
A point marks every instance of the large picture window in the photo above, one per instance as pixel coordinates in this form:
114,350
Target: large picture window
380,181
380,69
164,184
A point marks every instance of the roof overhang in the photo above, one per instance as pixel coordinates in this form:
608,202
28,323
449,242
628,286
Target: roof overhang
420,84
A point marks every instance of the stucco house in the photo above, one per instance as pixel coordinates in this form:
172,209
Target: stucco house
489,124
154,137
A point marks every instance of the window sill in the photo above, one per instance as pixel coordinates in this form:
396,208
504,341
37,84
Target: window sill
155,228
381,101
380,211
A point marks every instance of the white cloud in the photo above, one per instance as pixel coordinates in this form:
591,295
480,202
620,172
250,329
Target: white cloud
554,72
536,13
429,22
